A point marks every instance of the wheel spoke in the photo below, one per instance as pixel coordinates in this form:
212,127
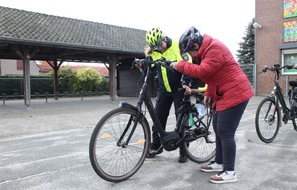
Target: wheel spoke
111,158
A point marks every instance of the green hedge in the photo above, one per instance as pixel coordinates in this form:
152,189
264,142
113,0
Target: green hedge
41,85
11,86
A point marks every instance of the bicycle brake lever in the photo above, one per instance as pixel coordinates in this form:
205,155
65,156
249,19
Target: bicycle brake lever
167,65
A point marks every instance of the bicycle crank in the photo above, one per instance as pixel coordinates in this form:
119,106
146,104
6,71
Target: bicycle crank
169,140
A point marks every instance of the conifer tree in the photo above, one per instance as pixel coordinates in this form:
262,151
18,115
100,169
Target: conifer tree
247,46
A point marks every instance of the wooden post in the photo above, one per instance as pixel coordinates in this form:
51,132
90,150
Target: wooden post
112,78
27,84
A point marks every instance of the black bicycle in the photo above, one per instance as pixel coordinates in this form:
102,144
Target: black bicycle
269,112
120,141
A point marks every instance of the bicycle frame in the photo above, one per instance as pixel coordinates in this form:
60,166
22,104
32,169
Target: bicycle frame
279,97
288,112
273,110
120,141
168,139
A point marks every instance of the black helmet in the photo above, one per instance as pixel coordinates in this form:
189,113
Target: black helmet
189,37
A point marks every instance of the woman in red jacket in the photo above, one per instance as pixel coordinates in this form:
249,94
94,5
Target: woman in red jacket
228,87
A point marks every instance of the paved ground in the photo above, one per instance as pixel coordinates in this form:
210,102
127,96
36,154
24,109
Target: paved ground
46,147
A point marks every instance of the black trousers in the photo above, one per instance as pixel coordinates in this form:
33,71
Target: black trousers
163,105
225,124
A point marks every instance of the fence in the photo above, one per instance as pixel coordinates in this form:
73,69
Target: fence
248,69
46,95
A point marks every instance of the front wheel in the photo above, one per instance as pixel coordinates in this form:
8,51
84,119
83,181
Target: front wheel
268,120
112,157
202,147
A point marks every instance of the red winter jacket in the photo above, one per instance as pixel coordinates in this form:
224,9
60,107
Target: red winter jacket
227,83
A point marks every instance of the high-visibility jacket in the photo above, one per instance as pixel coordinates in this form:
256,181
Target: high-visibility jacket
170,80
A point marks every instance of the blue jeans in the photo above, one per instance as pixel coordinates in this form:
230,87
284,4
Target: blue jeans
225,124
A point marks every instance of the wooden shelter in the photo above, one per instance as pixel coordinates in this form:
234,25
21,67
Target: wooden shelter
29,36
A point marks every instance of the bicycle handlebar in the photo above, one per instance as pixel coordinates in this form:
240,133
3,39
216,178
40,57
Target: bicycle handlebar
276,68
148,61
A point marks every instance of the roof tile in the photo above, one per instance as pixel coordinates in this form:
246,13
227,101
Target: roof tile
26,25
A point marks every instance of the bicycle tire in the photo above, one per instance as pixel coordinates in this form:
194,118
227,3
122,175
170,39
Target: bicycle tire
268,120
111,160
203,148
293,113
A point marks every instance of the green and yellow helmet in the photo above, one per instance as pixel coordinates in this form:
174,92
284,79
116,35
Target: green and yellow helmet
154,38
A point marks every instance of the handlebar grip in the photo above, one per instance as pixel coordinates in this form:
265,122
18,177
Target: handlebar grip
167,62
139,63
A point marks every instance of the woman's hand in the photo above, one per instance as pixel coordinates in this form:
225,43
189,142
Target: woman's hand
174,65
207,100
187,90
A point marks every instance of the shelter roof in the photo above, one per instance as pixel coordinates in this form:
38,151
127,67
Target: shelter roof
48,37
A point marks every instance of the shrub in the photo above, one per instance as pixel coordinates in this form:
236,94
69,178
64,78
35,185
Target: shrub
87,80
66,78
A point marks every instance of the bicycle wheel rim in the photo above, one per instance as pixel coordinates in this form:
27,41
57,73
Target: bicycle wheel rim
113,161
267,120
202,149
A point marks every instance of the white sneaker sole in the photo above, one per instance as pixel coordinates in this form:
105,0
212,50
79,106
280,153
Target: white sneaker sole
212,170
224,181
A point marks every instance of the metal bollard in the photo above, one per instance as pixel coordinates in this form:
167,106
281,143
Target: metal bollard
46,95
82,96
4,97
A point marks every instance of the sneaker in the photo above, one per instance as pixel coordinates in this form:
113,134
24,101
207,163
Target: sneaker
223,177
212,167
153,152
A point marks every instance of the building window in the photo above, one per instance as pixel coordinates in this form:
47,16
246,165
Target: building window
289,57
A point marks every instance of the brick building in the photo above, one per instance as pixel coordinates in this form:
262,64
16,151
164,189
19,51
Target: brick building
275,41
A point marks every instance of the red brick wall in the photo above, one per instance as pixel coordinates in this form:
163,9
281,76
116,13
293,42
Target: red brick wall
268,39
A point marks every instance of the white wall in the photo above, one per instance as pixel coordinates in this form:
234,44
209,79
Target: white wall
9,67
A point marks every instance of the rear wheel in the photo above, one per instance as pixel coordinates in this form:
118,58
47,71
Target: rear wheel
111,158
268,120
202,147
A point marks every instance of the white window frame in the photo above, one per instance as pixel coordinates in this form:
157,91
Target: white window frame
289,57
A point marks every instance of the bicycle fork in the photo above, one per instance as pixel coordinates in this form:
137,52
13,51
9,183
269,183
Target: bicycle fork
136,120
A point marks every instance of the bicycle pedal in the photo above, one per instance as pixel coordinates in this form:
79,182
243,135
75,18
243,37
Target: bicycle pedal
194,134
200,131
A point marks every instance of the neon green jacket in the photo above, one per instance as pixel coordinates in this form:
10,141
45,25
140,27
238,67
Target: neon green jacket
170,80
